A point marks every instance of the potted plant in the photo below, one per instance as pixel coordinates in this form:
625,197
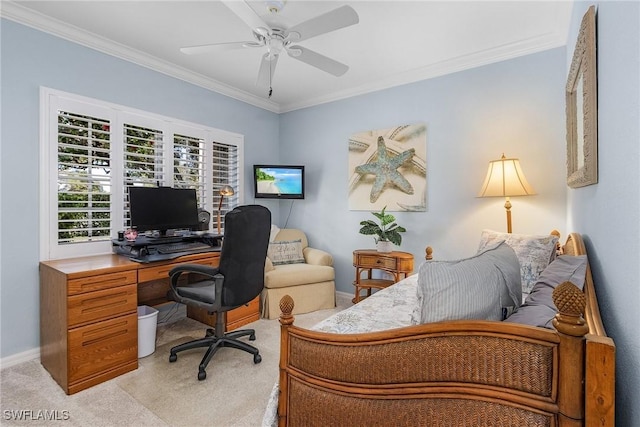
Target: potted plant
387,232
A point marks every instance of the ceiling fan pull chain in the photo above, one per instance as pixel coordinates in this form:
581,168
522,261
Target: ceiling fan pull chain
270,88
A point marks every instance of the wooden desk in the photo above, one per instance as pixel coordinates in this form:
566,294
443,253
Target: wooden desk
400,264
88,314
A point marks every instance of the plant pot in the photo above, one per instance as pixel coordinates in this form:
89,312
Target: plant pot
384,246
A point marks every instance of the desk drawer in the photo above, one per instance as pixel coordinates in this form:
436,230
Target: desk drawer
162,271
104,281
377,261
102,346
244,311
102,304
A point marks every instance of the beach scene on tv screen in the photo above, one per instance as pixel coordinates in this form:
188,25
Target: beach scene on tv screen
279,181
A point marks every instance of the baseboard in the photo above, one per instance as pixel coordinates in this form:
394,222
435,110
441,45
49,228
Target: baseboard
34,354
344,295
16,359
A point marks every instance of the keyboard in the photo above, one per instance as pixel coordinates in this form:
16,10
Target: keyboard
172,248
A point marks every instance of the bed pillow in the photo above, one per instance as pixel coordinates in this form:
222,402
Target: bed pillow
534,252
539,309
285,252
481,287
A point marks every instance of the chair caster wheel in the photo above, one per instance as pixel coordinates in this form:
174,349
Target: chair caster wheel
257,358
173,358
202,375
252,337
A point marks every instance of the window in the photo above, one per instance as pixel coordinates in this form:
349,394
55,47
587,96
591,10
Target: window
93,151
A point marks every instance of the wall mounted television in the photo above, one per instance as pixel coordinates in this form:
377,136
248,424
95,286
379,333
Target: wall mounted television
163,208
278,182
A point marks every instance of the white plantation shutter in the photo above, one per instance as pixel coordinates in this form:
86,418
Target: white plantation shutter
143,153
189,165
92,152
225,172
84,178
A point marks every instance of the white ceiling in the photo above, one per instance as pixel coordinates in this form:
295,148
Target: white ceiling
395,42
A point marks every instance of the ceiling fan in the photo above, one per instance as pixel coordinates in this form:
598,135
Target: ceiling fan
276,39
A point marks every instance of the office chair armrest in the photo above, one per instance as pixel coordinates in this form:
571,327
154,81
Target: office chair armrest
211,272
194,268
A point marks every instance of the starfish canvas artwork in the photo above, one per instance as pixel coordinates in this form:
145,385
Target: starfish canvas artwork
388,167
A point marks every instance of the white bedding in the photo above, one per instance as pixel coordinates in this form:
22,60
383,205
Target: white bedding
386,309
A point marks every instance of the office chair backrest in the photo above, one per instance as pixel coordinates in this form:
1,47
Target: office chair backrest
244,250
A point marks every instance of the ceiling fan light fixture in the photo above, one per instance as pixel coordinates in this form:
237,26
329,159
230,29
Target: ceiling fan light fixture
275,6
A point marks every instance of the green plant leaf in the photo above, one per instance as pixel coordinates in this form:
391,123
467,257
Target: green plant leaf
386,230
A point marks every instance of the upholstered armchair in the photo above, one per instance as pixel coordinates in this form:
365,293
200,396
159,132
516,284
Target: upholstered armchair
293,268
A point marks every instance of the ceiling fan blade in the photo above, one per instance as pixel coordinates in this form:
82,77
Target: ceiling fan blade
333,20
316,60
214,47
248,16
267,66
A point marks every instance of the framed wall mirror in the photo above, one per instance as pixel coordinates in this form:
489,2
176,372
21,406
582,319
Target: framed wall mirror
582,107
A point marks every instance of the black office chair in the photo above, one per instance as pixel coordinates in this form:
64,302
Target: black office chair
236,281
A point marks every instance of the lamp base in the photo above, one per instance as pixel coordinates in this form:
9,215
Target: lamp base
507,206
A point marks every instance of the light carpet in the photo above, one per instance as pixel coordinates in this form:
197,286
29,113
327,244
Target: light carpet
159,393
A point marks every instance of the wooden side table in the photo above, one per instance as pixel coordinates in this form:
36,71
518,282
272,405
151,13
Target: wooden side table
400,264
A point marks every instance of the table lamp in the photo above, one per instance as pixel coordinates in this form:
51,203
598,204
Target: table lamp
505,179
227,190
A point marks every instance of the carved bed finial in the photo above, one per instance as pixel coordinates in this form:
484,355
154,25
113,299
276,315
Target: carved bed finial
428,253
571,303
286,308
556,233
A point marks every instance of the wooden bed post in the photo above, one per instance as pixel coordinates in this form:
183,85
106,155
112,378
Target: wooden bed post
286,320
571,327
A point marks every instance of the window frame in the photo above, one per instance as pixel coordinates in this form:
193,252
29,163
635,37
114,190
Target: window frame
52,100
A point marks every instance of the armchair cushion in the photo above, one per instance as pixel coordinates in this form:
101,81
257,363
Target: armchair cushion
298,274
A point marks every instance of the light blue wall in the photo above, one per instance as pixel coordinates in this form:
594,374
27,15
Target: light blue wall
516,106
31,59
608,214
472,117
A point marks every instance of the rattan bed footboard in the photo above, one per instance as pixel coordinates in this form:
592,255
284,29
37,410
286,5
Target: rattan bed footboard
474,373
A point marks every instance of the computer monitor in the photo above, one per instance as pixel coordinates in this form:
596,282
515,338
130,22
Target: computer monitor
163,208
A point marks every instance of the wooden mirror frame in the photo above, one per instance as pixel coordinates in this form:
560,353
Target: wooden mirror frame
582,107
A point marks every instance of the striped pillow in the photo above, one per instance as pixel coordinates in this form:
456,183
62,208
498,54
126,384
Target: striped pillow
486,286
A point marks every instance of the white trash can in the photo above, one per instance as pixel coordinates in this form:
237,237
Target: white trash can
147,323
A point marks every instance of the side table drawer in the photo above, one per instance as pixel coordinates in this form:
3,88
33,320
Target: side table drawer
368,261
102,346
92,306
103,281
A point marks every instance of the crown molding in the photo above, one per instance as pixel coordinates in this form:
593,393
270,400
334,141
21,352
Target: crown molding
22,15
449,66
17,13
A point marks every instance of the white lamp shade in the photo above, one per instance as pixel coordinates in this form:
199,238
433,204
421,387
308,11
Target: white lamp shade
505,178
